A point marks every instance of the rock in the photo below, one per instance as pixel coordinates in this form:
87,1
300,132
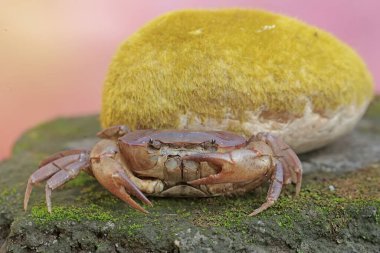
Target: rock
86,218
245,71
356,150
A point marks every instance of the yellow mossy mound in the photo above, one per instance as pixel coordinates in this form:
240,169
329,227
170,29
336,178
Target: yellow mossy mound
224,63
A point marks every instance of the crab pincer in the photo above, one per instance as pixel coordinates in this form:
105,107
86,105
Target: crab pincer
111,175
235,166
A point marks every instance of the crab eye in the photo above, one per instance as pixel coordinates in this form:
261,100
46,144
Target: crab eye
210,145
123,130
154,144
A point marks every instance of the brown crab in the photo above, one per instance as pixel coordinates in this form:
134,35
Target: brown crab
176,163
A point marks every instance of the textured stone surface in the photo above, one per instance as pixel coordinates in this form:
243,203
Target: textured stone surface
356,150
339,206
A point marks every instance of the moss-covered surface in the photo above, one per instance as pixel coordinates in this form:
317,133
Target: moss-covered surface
214,63
335,210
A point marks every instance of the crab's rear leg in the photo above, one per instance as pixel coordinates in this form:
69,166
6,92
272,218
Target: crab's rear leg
289,159
274,189
60,154
58,170
61,177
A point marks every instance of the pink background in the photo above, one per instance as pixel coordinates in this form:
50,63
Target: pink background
54,54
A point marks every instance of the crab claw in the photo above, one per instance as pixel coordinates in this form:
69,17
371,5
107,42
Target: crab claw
235,166
111,175
244,165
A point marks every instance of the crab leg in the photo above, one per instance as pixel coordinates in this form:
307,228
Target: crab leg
111,175
38,176
61,177
274,189
57,170
60,155
292,165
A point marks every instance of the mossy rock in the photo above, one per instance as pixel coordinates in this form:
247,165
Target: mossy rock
239,70
337,210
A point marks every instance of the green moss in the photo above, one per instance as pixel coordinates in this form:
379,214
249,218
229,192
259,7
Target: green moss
42,141
7,194
132,229
63,213
317,210
285,221
374,109
318,214
82,180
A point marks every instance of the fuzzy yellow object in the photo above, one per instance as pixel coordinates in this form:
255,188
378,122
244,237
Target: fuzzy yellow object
238,70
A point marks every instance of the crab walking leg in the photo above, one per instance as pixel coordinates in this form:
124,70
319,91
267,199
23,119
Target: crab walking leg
296,168
292,164
111,175
61,154
274,189
48,170
60,178
279,148
40,175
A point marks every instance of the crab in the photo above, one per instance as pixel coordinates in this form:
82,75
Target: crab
175,163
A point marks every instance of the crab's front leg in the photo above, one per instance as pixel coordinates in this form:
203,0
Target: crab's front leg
110,170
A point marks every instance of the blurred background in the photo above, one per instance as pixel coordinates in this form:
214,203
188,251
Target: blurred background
54,55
